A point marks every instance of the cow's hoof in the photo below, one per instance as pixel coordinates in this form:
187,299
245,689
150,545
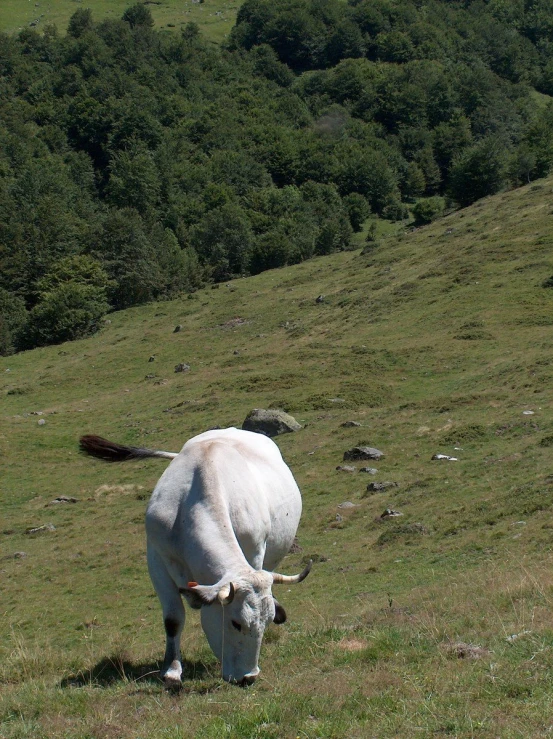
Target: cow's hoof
171,677
172,682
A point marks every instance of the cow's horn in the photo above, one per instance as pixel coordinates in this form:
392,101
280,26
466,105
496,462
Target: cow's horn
283,579
226,594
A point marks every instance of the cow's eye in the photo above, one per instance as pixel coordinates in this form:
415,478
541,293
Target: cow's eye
236,625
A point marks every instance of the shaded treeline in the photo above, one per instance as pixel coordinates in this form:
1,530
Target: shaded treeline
136,164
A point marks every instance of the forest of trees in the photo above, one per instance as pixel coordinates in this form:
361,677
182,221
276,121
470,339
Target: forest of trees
137,164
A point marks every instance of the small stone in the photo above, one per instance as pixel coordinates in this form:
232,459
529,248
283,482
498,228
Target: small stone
348,504
389,513
378,487
349,424
15,555
40,529
369,470
445,457
345,468
339,518
182,367
152,359
177,329
320,299
63,499
41,422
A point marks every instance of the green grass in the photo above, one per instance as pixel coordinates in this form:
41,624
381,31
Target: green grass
215,17
436,341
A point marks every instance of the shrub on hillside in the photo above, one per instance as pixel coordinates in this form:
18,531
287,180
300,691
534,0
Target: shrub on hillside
13,316
427,210
479,171
70,311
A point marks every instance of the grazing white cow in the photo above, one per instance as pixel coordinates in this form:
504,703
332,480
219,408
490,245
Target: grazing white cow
223,514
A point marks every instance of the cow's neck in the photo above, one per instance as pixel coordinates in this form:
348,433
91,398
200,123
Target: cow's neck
212,535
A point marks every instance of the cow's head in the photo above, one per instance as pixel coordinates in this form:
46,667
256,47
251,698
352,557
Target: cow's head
235,614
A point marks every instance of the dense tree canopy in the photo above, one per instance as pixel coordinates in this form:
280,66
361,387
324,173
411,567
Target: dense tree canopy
135,164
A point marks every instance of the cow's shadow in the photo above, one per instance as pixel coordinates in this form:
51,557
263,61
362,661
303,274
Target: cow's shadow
117,669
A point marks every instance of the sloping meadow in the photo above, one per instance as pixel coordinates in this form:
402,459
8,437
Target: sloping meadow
435,621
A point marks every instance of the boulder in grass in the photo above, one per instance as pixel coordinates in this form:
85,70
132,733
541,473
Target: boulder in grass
379,487
363,452
270,422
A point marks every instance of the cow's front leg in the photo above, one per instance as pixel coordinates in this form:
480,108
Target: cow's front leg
173,620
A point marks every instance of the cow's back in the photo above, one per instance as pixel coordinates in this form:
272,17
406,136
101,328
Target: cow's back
226,483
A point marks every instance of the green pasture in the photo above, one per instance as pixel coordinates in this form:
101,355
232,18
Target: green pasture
438,622
215,17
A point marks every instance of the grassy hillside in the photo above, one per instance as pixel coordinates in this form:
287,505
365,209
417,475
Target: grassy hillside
438,622
216,17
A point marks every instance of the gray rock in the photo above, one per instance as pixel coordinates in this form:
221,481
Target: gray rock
40,529
369,470
378,487
349,424
152,359
177,328
182,367
270,422
320,299
346,468
15,555
363,452
348,504
389,513
63,499
41,422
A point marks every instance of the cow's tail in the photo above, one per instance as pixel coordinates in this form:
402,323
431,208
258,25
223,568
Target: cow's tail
112,452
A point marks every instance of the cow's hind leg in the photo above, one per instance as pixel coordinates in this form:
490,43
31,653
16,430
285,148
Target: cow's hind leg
173,618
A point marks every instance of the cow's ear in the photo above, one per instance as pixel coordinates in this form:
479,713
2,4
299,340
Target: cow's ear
199,595
193,599
280,613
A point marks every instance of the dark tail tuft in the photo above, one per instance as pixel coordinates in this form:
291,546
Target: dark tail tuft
109,451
